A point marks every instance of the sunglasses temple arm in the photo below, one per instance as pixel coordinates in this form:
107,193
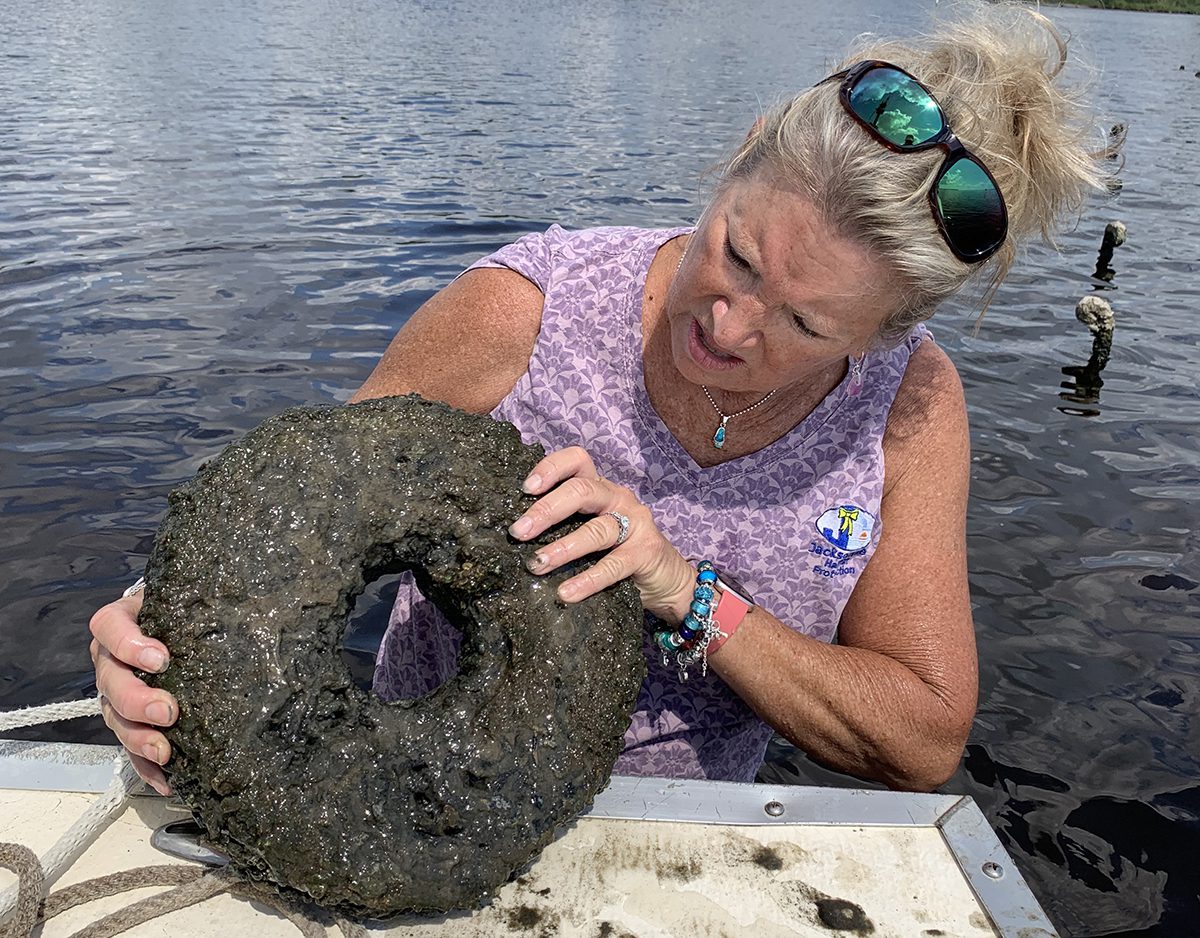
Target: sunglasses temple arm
834,77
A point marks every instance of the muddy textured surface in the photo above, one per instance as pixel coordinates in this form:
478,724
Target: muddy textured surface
307,781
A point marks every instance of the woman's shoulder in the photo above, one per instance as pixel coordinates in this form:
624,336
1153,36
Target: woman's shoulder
546,256
930,376
605,239
928,419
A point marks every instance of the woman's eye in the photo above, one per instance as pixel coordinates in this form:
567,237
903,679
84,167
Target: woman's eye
734,257
800,324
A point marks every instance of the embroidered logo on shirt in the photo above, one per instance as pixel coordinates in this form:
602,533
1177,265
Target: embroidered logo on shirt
847,527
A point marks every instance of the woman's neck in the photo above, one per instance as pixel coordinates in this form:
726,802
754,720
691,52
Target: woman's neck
684,407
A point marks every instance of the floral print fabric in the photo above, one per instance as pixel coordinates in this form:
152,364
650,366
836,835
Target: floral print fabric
795,522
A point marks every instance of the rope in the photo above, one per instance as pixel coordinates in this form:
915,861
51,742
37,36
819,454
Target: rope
307,923
95,819
30,883
83,832
169,874
98,816
202,887
49,713
191,884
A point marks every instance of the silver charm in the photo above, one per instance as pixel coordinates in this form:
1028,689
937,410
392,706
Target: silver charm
718,440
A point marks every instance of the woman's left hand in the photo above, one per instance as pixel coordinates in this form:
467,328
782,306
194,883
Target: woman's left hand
568,482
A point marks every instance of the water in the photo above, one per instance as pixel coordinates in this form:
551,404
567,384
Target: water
211,212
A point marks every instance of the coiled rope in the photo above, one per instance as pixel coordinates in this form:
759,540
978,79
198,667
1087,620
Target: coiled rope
26,905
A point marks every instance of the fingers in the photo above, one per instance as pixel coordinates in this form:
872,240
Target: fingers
131,709
115,628
559,465
569,484
129,696
600,533
609,569
150,773
148,748
575,495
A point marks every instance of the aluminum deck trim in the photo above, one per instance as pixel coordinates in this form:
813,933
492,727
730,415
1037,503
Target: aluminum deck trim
706,802
998,885
994,878
41,766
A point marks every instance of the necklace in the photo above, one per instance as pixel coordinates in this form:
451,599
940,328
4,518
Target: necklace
718,440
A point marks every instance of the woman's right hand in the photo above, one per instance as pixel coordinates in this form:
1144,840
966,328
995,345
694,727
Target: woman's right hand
131,708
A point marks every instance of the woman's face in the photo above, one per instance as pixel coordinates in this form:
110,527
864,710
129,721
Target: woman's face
768,296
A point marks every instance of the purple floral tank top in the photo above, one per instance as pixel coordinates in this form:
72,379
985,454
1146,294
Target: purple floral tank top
795,522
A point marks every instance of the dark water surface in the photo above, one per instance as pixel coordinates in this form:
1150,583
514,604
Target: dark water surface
209,212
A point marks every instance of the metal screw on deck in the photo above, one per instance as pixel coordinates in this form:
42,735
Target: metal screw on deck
773,808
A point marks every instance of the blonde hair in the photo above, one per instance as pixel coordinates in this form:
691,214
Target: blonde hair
994,71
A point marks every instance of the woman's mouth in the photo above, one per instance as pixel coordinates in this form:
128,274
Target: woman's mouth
704,355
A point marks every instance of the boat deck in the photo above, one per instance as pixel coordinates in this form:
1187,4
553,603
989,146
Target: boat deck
653,858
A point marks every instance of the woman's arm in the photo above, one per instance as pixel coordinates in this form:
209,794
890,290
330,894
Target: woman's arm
467,345
895,699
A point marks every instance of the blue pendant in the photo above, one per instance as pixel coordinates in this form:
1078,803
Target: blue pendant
719,436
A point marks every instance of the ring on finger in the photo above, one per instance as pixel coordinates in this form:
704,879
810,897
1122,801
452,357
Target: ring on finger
622,526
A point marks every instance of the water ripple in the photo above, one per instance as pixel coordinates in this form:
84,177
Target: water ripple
210,213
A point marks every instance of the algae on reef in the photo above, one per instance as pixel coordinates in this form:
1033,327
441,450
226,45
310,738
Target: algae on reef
307,781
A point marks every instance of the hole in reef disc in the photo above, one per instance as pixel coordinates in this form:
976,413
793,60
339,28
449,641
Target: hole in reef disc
365,627
430,651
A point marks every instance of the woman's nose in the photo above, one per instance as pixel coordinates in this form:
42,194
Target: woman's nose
735,323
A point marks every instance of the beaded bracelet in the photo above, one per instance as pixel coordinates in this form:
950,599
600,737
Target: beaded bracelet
689,643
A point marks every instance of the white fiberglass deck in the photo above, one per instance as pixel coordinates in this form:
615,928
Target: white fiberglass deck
653,859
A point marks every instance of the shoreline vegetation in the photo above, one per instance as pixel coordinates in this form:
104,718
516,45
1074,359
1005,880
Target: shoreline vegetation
1146,6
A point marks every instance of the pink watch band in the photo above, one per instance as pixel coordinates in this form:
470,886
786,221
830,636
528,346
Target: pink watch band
731,610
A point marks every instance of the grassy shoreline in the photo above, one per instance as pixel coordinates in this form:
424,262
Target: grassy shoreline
1146,6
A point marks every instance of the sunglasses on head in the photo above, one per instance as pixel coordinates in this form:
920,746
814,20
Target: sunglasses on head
899,112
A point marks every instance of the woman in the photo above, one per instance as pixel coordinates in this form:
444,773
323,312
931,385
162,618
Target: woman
757,392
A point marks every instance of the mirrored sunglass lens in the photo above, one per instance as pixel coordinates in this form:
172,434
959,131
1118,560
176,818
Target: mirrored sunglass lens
897,107
970,206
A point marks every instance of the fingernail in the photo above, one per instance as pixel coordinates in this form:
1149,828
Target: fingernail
159,712
150,751
568,591
520,527
532,484
152,660
161,787
536,562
